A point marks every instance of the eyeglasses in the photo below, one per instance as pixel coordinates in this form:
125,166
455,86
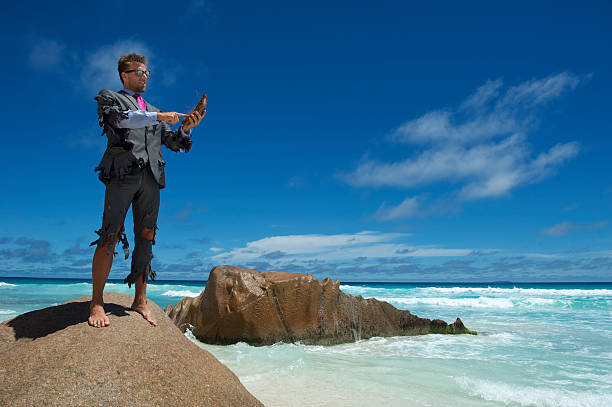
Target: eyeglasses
140,72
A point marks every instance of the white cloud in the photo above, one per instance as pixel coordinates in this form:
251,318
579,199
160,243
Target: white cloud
481,146
483,95
439,127
332,248
48,55
407,209
538,91
100,67
215,249
565,228
97,69
315,243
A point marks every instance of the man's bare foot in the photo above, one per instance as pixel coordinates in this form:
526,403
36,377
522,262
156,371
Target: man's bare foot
97,317
143,309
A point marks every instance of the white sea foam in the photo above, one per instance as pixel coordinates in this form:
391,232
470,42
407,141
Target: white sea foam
501,338
7,311
480,302
592,377
572,292
352,287
190,334
359,289
542,301
180,293
531,396
3,284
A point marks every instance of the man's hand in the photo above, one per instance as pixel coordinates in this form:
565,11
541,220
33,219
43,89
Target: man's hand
170,117
193,119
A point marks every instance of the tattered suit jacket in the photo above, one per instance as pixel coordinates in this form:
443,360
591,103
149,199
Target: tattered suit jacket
131,149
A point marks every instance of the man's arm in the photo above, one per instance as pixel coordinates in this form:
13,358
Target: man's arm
178,140
109,112
134,119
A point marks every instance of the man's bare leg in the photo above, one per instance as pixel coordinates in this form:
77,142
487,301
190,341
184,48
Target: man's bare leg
140,301
140,296
100,269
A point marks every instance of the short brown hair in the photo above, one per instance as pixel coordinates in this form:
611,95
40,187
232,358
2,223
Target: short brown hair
126,60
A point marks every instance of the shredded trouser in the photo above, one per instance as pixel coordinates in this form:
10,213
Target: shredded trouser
142,192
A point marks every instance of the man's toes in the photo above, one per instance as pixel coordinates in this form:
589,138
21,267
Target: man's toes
98,322
149,317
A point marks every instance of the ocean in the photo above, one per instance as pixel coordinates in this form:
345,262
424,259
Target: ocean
537,345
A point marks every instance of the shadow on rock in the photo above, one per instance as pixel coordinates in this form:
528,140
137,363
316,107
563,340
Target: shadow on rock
39,323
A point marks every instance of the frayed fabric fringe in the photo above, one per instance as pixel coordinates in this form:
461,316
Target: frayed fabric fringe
106,236
148,272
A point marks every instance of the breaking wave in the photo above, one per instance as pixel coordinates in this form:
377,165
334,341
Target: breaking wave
491,291
180,293
480,302
531,396
570,292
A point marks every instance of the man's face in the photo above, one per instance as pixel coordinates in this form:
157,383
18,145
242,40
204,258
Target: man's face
134,82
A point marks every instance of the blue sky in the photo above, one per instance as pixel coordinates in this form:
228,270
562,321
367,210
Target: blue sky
387,141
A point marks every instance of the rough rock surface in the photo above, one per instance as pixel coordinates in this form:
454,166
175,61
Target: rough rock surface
51,357
262,308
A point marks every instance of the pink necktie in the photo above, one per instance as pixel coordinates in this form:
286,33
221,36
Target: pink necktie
140,101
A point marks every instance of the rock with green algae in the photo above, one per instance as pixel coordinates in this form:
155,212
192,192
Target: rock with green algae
52,357
262,308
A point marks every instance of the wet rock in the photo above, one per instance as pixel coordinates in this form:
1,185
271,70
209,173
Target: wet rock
262,308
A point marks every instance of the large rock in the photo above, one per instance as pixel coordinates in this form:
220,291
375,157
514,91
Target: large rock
51,357
263,308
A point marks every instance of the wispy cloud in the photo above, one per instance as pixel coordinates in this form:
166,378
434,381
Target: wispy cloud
407,209
48,55
481,146
184,215
301,249
564,228
78,250
100,68
96,69
30,250
274,255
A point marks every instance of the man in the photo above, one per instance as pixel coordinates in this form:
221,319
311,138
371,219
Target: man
132,169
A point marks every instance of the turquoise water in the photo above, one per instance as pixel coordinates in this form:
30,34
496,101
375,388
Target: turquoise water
538,345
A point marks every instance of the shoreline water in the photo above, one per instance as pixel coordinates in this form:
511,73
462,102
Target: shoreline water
539,344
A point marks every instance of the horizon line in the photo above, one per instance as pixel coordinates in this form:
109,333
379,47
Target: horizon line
499,282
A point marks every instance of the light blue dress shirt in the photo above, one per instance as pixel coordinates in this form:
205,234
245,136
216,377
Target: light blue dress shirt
141,118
